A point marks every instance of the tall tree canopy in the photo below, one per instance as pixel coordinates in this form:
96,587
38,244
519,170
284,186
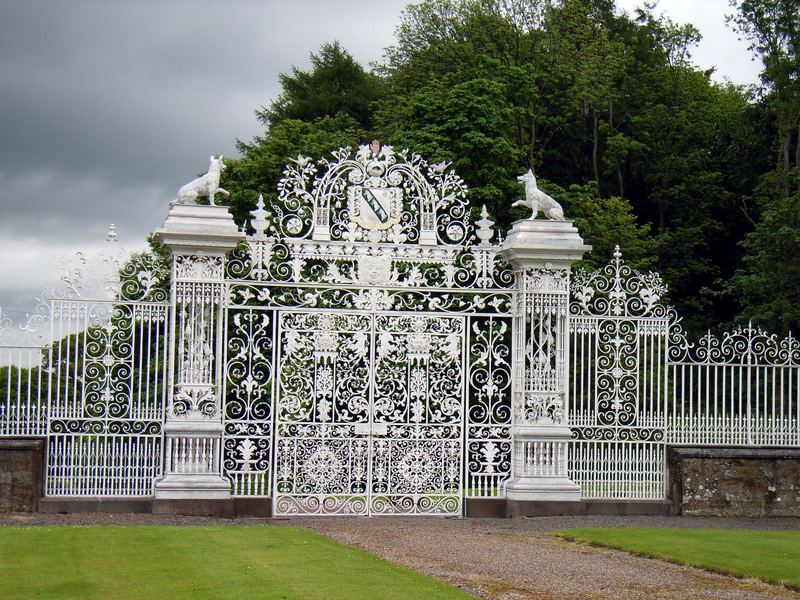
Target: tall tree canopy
607,108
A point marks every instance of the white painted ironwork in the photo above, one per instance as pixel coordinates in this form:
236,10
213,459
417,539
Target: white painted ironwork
354,354
87,371
638,385
23,377
738,389
368,327
369,414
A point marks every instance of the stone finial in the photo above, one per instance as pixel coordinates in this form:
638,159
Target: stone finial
259,218
484,230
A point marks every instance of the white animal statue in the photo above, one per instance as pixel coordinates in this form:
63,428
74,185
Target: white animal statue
207,185
537,200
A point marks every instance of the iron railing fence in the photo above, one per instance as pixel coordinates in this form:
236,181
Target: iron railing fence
638,384
23,397
89,374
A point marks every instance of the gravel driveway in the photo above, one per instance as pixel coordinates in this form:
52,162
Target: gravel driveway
503,558
516,558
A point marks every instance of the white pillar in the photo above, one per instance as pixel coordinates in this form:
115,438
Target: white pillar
541,253
197,238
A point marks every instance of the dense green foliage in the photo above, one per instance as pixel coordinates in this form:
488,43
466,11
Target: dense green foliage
767,555
689,176
196,563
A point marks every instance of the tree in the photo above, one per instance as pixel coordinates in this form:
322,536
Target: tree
581,93
261,166
577,91
768,285
604,224
773,28
317,111
335,84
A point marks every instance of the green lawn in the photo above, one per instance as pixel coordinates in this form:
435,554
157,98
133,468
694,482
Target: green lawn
772,556
198,562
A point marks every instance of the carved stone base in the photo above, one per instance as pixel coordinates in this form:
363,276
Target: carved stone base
540,242
543,488
192,486
193,228
540,465
192,468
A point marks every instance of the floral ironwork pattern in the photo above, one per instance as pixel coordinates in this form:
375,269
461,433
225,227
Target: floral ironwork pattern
350,238
249,383
621,331
369,431
489,409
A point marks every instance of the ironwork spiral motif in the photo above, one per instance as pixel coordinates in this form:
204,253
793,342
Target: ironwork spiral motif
616,290
742,346
615,308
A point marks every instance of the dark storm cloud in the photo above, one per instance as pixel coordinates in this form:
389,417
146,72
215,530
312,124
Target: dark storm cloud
106,108
125,90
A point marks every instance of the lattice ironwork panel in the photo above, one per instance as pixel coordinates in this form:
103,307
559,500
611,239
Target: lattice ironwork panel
370,413
249,389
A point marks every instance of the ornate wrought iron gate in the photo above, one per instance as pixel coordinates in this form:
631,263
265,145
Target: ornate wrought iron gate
368,344
370,413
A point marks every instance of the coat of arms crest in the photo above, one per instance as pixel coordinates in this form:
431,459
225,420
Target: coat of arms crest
375,207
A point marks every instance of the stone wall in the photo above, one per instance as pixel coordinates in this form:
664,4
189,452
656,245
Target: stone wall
735,481
21,474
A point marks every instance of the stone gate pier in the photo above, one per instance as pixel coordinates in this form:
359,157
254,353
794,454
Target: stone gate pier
541,253
197,238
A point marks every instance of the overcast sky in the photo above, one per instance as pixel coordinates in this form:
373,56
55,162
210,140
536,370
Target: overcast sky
106,108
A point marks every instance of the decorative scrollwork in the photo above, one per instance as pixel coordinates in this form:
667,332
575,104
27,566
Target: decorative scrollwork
618,434
616,290
376,195
378,218
93,352
199,267
113,273
741,346
490,371
369,393
370,299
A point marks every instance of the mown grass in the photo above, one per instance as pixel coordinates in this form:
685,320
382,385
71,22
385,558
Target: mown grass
173,563
771,556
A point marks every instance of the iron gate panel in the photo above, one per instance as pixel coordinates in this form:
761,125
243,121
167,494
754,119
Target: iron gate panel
418,401
249,382
369,414
323,395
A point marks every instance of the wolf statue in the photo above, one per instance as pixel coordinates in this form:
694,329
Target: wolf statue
537,200
207,185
